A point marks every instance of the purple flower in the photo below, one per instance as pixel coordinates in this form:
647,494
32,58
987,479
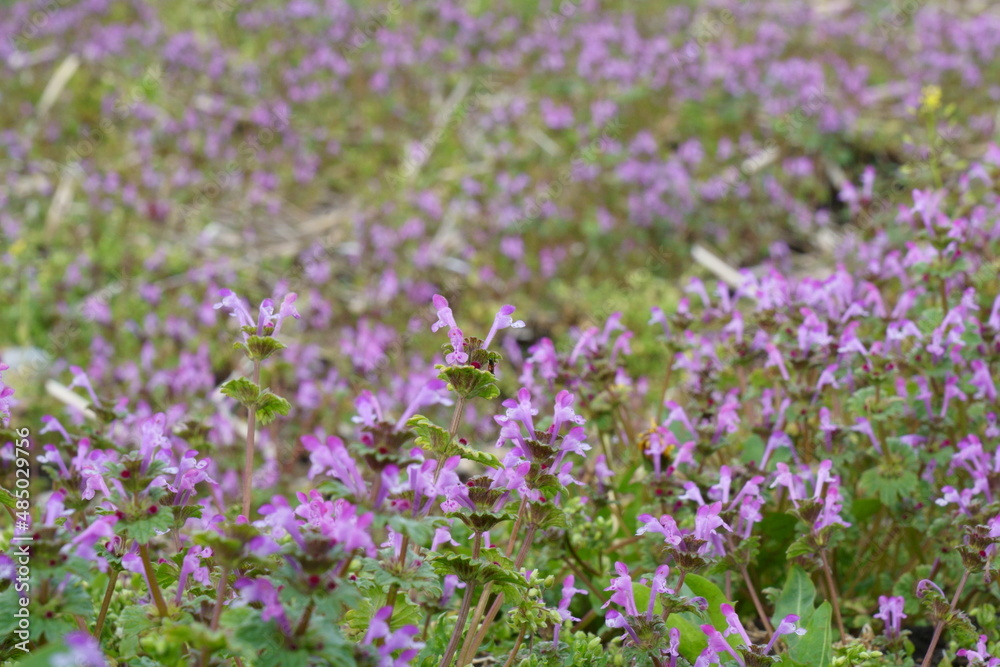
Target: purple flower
100,530
566,596
266,317
665,525
502,320
457,356
788,626
890,610
717,645
191,567
237,308
83,651
400,640
622,587
982,381
333,459
6,398
442,535
263,591
981,656
445,316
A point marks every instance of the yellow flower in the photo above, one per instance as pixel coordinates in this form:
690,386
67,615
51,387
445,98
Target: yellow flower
18,247
930,98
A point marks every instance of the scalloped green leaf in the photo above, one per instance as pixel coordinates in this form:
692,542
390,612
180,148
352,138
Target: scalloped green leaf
430,436
477,456
242,390
269,406
470,382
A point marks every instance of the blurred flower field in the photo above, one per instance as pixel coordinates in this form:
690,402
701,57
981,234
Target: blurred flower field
499,333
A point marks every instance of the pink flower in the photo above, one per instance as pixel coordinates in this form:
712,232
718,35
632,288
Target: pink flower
445,316
502,320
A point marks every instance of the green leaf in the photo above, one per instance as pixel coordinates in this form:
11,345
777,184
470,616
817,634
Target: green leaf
419,531
269,406
430,436
470,382
800,547
148,526
258,348
134,621
815,648
242,390
797,597
865,508
405,613
477,456
7,498
702,587
435,439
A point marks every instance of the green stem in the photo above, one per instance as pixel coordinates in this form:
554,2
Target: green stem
390,599
517,645
463,614
250,449
756,602
463,611
495,608
220,597
680,585
456,419
304,622
154,587
833,595
108,594
939,628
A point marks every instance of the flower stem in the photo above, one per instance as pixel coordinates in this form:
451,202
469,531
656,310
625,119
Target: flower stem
680,584
108,594
463,611
300,629
463,614
832,587
220,596
939,628
456,417
154,587
250,449
756,602
517,645
390,599
480,636
484,597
